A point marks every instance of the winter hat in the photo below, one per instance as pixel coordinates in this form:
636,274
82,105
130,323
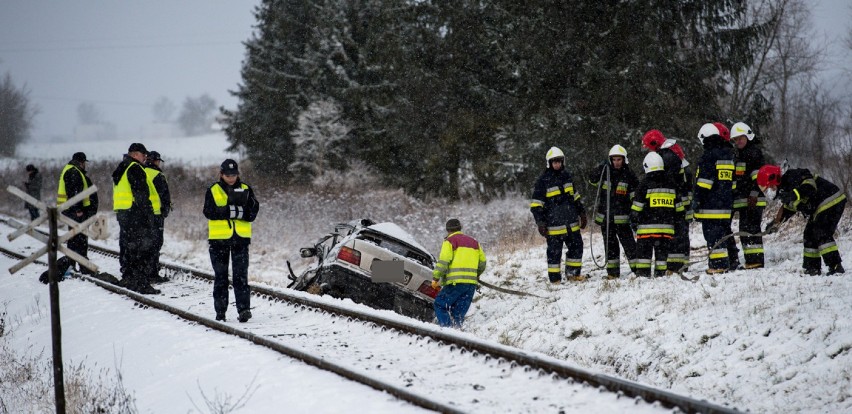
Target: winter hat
154,156
453,225
229,167
30,167
79,157
137,147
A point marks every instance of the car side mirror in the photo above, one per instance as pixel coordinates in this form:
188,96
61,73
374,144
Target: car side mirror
308,252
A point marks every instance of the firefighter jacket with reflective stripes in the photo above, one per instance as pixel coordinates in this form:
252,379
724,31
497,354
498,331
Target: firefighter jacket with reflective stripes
655,204
620,187
461,260
555,203
161,198
714,184
747,162
678,176
230,210
72,181
803,192
130,187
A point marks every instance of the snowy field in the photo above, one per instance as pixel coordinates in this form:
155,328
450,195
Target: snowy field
764,341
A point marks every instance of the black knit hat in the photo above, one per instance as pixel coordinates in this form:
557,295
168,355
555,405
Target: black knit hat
453,225
229,167
79,157
31,167
154,156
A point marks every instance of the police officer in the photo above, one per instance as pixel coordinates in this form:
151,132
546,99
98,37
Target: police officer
616,183
33,186
749,201
459,265
559,215
714,198
818,199
72,181
161,203
230,207
131,199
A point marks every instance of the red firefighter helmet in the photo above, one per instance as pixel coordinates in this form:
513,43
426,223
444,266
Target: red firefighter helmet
769,176
653,140
724,132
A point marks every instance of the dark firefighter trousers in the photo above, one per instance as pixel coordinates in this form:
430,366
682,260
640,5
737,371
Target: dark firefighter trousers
678,258
819,239
573,257
750,218
220,255
652,252
620,235
714,230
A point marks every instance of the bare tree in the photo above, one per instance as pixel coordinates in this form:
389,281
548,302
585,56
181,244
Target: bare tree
163,109
16,115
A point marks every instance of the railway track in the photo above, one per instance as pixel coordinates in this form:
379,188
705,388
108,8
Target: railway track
416,362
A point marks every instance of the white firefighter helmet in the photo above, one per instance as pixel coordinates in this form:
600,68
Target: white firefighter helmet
741,128
706,131
554,152
618,150
653,162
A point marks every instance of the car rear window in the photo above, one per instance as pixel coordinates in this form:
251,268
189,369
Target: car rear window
393,245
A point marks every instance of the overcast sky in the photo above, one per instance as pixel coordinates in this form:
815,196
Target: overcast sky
123,55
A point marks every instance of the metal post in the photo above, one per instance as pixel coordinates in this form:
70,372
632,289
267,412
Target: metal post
56,328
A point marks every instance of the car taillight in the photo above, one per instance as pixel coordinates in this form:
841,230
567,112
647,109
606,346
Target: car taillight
348,254
426,289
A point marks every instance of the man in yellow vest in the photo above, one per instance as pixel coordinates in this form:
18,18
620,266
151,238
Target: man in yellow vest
72,181
459,265
230,207
132,204
161,202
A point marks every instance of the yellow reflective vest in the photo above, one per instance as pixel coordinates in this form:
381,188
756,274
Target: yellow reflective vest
224,229
461,260
122,194
154,196
62,195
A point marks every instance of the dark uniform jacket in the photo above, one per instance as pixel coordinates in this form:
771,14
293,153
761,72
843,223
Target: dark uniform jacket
74,186
621,186
811,195
714,198
654,206
33,186
555,203
246,200
138,180
748,161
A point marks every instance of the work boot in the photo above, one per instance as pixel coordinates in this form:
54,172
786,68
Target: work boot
244,315
838,268
712,271
157,279
754,265
220,316
812,272
577,278
146,289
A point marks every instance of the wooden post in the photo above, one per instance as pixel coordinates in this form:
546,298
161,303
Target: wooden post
56,328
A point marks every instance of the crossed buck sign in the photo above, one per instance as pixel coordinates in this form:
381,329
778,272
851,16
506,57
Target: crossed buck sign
94,227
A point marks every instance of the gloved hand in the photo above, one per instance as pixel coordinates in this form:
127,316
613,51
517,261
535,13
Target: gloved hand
542,229
435,284
236,212
752,201
583,221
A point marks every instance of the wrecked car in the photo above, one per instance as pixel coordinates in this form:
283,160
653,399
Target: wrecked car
375,264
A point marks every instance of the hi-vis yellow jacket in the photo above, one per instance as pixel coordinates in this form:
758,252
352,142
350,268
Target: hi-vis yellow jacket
224,229
61,192
461,260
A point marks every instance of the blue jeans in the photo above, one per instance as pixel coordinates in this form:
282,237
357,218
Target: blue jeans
452,303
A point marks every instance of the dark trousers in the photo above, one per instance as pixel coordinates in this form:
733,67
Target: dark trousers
652,252
157,237
573,257
715,230
819,239
620,235
678,258
452,303
220,255
79,244
752,246
135,244
33,211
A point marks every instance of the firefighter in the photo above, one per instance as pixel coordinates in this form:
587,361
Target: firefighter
33,186
459,266
613,210
818,199
749,201
654,213
73,180
677,168
161,203
131,201
559,215
230,207
714,198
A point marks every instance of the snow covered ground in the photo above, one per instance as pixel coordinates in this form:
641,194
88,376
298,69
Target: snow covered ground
766,340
